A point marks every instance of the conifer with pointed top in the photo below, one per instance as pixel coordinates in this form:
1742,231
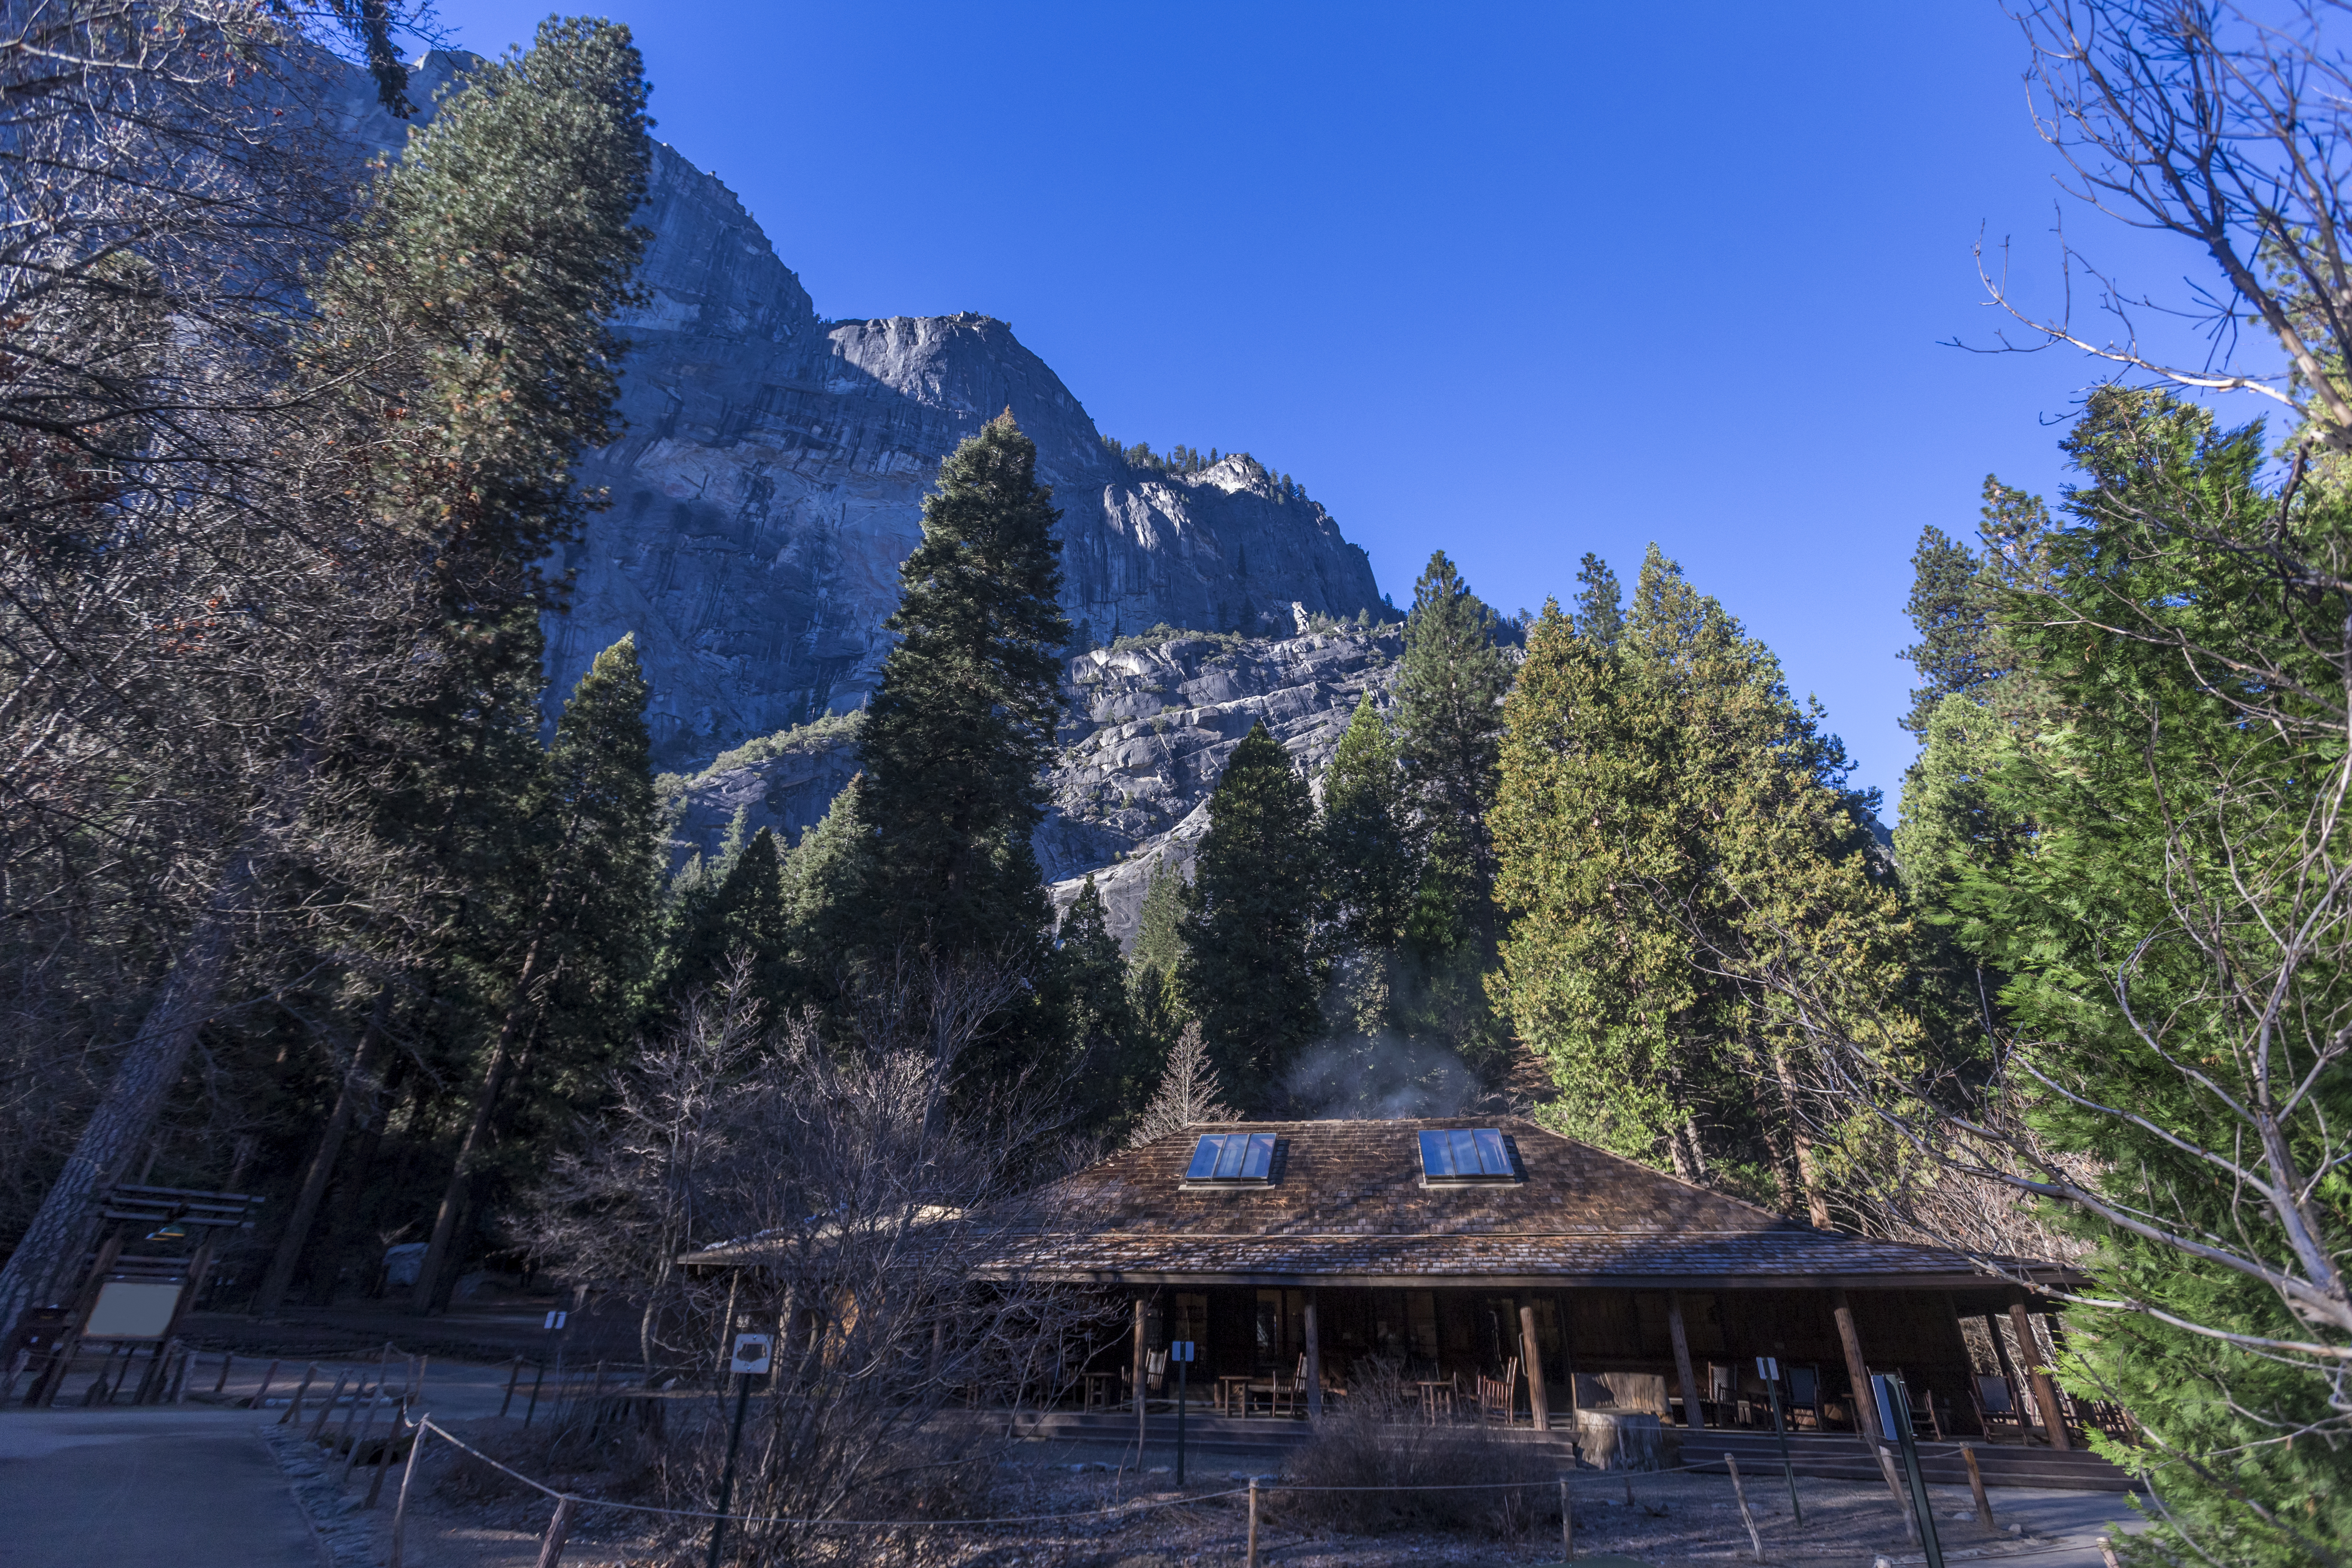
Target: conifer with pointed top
962,728
1250,973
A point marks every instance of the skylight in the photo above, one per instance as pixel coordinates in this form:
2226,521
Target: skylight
1233,1159
1467,1154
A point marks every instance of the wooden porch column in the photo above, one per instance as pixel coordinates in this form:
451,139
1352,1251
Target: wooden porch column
1314,1362
1865,1404
1531,1355
2017,1396
1559,1303
1142,1388
1693,1415
2045,1391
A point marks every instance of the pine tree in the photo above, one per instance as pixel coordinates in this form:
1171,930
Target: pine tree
1599,603
1449,695
1189,1093
1367,854
1249,971
743,918
1368,866
825,881
586,946
1160,935
1110,1063
960,728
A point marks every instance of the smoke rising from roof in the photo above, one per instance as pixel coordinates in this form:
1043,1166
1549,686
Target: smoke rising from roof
1378,1077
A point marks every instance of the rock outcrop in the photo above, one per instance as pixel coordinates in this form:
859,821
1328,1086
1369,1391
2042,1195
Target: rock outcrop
1146,736
772,476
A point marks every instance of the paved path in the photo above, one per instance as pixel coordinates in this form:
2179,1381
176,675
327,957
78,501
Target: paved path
145,1488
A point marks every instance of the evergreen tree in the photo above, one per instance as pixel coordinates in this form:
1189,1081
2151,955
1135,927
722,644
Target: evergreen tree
960,728
1667,815
1249,972
1368,868
2148,861
1449,695
1367,853
1158,934
1599,603
587,945
743,918
1113,1064
825,882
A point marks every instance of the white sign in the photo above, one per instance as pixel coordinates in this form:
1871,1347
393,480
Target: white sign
555,1320
751,1351
1181,1350
132,1309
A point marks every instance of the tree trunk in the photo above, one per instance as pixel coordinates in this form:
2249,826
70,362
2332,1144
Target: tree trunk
1816,1208
53,1243
485,1100
354,1088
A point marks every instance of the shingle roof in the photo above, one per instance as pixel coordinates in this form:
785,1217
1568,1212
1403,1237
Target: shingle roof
1347,1205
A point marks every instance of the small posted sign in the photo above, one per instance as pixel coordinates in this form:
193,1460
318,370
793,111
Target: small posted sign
556,1321
751,1354
1768,1368
1181,1350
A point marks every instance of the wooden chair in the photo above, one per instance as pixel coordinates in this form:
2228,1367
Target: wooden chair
1291,1389
1495,1395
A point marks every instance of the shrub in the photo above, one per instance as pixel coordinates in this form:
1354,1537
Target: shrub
1375,1438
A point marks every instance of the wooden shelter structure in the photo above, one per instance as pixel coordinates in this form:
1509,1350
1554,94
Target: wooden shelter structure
1477,1249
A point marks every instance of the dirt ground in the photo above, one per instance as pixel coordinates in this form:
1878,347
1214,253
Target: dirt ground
1116,1520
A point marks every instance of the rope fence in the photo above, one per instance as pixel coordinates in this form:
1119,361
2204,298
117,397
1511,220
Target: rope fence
569,1503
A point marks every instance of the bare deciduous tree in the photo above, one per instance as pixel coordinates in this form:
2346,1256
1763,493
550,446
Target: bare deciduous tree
848,1198
2230,129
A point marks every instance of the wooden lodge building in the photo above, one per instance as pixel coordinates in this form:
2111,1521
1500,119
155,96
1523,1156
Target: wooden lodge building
1287,1252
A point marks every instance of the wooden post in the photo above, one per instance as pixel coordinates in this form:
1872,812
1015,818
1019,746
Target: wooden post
221,1382
514,1375
400,1503
1693,1415
293,1417
1866,1405
1566,1527
1531,1357
1755,1540
359,1438
320,1425
1142,1387
551,1545
1314,1362
2045,1391
383,1458
1975,1486
1252,1562
268,1378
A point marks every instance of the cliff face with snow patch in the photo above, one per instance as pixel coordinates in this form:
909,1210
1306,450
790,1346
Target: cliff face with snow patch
771,475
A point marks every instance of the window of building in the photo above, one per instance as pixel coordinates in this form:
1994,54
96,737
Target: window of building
1232,1159
1466,1155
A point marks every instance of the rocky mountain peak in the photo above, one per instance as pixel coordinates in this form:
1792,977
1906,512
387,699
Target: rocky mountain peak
771,475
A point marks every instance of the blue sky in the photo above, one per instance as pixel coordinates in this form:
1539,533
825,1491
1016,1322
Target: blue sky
1515,281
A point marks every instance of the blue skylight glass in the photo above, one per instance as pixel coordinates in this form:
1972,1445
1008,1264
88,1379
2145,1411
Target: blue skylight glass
1469,1154
1236,1157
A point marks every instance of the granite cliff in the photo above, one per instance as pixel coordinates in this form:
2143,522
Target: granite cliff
1146,732
771,479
